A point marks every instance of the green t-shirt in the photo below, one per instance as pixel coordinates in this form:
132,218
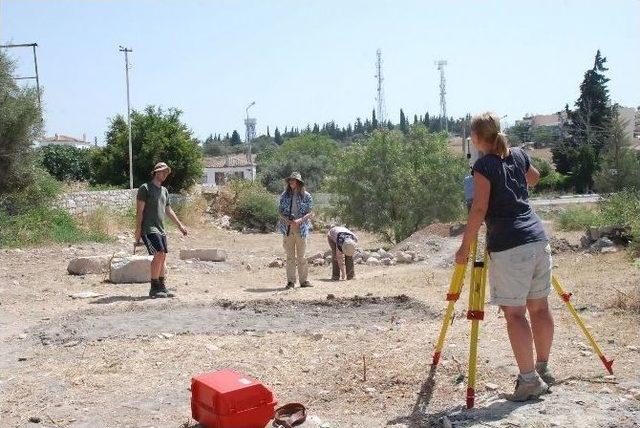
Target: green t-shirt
156,200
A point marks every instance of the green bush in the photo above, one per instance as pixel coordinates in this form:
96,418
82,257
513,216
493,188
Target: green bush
41,191
623,209
554,182
66,163
312,155
253,206
393,184
157,136
578,218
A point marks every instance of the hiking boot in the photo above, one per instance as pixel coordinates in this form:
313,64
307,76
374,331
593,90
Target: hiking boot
528,390
545,373
335,278
155,291
289,285
306,284
162,288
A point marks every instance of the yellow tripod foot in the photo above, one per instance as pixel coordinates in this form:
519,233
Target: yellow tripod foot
566,298
457,281
471,398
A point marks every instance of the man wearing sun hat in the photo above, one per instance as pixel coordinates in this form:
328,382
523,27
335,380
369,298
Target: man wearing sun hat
152,204
294,210
342,242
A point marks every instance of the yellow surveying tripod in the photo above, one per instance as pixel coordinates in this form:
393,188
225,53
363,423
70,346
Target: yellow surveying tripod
475,314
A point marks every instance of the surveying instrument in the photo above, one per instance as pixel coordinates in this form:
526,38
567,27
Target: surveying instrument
477,290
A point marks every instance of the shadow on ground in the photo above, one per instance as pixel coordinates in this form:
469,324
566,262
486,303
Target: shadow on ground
421,418
114,299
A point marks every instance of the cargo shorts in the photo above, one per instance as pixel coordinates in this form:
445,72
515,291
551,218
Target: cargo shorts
520,273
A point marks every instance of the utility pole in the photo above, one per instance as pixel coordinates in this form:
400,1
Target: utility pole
126,65
250,125
444,122
380,91
35,64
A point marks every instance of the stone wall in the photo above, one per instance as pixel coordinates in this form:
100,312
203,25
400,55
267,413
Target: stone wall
83,202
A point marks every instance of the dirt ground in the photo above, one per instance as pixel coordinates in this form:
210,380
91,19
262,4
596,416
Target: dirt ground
122,360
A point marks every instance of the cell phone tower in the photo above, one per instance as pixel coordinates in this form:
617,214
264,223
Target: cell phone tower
250,124
444,123
380,97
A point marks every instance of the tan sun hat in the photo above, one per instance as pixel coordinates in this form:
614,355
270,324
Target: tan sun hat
349,247
161,166
295,175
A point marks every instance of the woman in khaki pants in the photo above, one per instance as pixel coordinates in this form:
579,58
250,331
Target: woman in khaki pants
294,225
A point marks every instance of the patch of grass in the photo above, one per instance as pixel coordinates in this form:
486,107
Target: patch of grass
578,218
103,221
44,225
627,301
191,210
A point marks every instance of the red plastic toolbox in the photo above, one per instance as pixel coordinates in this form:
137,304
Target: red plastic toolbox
228,399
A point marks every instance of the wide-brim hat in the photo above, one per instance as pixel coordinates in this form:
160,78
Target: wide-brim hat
349,247
161,166
295,176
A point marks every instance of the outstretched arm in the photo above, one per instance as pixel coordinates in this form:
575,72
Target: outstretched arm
172,215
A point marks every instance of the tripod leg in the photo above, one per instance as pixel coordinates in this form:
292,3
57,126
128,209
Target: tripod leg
566,297
475,314
457,281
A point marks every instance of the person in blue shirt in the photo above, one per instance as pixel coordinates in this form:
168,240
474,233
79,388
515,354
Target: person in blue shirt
519,252
295,210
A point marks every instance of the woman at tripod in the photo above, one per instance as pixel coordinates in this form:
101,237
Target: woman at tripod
519,252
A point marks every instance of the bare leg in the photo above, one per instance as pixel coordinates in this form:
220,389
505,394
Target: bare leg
157,264
541,326
520,337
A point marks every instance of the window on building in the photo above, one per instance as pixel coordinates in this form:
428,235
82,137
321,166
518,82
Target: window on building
220,178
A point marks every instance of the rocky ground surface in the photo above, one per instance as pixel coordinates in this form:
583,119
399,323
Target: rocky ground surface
79,351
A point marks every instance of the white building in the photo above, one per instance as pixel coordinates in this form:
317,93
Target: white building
218,170
64,140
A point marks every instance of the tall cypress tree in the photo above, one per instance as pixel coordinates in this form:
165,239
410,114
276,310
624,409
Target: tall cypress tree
404,126
277,138
374,120
235,138
587,130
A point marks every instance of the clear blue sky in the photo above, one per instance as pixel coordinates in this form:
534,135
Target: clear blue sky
306,61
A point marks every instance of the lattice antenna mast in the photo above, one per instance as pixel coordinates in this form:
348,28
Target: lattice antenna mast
444,122
380,97
250,134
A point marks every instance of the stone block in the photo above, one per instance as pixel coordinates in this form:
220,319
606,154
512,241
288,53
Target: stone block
130,269
204,254
88,265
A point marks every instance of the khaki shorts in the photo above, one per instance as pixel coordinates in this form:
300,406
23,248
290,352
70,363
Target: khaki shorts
520,273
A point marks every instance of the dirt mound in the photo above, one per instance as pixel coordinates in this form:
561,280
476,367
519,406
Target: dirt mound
561,245
434,242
